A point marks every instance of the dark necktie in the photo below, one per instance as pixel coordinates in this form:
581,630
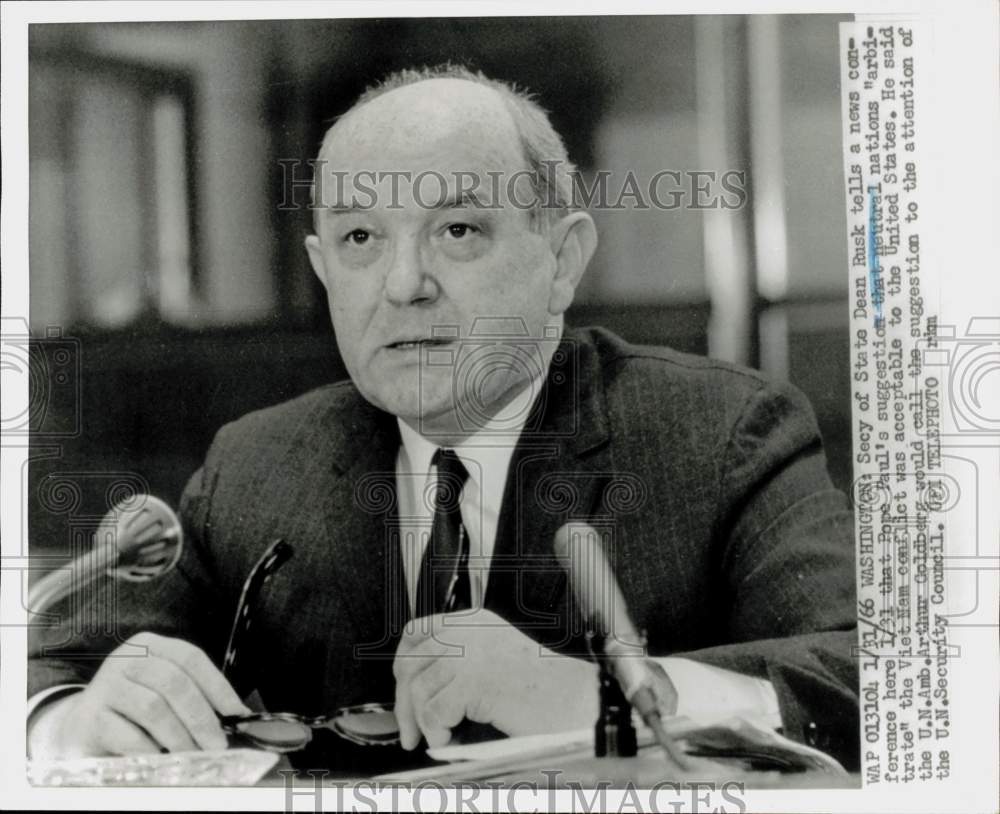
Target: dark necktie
444,584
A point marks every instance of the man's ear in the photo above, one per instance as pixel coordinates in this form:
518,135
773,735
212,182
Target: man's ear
315,251
573,241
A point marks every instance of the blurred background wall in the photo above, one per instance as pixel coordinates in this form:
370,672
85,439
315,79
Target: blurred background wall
171,290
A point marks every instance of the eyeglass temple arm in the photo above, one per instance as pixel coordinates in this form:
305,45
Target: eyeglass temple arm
276,555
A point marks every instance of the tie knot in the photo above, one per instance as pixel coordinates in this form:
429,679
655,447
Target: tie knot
449,465
451,477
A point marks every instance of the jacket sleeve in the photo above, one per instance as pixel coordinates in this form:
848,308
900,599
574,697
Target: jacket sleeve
785,538
99,618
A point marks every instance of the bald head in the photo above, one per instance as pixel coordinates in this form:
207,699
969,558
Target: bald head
414,112
410,118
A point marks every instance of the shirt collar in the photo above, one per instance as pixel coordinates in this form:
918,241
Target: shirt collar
486,454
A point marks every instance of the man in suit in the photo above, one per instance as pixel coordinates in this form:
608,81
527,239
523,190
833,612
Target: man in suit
449,248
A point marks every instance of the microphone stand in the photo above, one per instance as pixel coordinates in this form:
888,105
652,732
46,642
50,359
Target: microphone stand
626,677
614,734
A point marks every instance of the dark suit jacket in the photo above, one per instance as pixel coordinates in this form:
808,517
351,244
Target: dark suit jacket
729,541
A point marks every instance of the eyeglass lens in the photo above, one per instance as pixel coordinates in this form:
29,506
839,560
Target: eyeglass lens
367,725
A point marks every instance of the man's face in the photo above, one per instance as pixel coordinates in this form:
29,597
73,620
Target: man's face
410,269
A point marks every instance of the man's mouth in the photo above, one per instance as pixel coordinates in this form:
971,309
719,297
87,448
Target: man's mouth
410,344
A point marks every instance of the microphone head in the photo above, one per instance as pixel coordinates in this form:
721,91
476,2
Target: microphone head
144,536
561,543
579,548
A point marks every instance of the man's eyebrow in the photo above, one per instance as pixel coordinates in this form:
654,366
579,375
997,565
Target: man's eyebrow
346,209
466,197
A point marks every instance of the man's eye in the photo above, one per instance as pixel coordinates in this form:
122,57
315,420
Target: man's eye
460,230
357,237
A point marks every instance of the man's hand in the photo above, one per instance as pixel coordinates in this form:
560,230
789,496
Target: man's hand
475,665
166,699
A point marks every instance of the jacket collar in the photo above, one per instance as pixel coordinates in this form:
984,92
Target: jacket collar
571,407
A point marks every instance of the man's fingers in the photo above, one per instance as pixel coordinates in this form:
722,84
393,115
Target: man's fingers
193,661
438,634
422,669
407,664
416,652
119,736
184,698
173,693
427,660
149,710
416,634
409,732
435,709
439,703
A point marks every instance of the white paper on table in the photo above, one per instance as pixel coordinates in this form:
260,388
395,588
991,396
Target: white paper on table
517,745
751,727
509,747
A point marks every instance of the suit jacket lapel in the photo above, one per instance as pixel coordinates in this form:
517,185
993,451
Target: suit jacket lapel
361,521
557,474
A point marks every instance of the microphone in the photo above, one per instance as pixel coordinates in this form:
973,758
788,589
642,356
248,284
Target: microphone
138,540
579,550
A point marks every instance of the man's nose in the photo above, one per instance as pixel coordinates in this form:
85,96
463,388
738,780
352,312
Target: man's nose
408,280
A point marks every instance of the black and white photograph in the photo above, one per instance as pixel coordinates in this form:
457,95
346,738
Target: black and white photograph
421,408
